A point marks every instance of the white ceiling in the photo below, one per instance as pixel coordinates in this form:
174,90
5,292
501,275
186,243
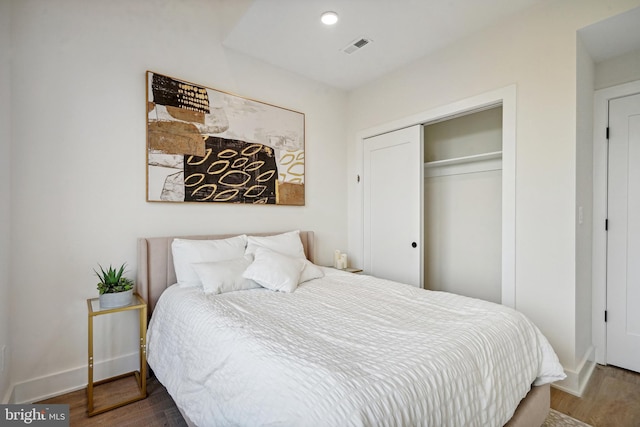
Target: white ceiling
288,33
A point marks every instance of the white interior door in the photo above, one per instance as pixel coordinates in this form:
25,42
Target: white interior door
393,194
623,246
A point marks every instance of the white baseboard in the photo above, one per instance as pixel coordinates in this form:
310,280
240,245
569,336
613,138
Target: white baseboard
7,396
41,388
578,379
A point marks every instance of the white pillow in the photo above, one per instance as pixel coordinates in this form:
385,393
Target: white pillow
224,276
310,271
287,244
186,252
274,270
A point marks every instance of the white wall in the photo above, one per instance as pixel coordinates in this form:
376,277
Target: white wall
5,196
585,74
536,50
476,133
463,234
78,162
618,70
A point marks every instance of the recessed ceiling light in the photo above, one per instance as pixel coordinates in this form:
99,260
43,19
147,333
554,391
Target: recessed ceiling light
329,18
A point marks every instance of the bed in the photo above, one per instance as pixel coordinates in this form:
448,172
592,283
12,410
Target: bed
339,349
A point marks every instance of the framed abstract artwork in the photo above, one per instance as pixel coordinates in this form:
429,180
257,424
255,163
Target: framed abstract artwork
205,145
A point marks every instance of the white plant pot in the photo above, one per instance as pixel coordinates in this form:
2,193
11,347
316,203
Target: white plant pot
119,299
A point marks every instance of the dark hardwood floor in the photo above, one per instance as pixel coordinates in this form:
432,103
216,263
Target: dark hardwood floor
158,409
611,399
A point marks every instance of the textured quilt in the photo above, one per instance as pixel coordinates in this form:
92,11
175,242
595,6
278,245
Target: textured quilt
345,350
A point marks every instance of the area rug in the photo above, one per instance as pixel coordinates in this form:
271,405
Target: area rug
558,419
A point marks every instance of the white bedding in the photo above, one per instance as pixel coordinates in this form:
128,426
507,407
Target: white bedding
345,350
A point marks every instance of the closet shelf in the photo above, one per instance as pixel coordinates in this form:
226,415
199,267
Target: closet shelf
466,159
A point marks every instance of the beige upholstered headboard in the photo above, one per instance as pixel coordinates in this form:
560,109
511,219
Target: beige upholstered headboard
155,262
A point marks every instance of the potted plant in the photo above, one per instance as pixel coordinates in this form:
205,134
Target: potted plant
115,289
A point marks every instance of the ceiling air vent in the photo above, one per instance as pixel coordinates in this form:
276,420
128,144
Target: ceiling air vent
357,44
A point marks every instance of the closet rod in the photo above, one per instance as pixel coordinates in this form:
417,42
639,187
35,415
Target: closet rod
464,159
463,165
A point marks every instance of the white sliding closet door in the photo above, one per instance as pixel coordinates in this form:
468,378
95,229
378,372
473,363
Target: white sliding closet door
393,210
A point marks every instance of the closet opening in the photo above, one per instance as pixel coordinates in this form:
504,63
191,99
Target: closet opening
463,204
394,235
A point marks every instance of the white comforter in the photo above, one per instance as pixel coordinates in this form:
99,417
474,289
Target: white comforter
345,350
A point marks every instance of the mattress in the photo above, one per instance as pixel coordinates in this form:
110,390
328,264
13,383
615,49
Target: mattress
345,350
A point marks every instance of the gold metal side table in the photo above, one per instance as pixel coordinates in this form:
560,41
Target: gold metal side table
137,303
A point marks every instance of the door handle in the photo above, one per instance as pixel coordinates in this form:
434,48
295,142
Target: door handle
414,245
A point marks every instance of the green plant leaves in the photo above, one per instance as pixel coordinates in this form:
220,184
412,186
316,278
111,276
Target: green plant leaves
112,280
